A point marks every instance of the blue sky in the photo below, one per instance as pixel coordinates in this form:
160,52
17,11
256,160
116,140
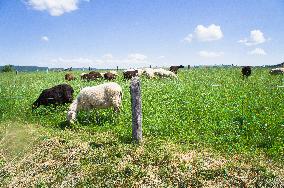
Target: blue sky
136,33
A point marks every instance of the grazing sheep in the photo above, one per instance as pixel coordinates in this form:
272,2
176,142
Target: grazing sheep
276,71
164,73
128,74
82,75
56,95
91,76
109,76
140,72
149,73
102,74
174,69
246,71
100,96
68,69
69,77
114,72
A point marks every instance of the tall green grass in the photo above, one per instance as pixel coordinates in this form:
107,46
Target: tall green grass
205,107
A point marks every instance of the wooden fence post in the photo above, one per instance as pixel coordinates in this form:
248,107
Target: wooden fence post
136,104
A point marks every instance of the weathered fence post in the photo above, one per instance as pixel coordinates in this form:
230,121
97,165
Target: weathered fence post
136,104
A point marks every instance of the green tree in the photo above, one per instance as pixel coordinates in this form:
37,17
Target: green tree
7,68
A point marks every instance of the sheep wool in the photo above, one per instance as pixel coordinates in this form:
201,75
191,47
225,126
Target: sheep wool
149,72
164,73
100,96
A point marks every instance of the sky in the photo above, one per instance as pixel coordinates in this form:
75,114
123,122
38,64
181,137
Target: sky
139,33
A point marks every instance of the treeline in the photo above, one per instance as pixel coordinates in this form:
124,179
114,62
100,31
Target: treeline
9,68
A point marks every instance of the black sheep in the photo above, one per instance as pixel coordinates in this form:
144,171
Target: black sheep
174,69
246,71
56,95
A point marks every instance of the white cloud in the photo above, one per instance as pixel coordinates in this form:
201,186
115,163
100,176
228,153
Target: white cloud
210,33
256,37
74,62
45,38
161,57
108,56
54,7
133,60
188,38
136,57
207,54
257,51
205,34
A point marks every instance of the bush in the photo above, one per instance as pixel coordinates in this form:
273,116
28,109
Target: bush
8,68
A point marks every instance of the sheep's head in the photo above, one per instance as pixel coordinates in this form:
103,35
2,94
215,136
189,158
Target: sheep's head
71,116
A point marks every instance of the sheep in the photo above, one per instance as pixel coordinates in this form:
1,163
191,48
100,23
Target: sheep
149,73
91,76
82,75
59,94
128,74
114,72
164,73
140,72
174,69
101,96
109,76
246,71
102,74
276,71
69,77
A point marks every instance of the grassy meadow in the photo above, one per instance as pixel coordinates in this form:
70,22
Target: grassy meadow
207,128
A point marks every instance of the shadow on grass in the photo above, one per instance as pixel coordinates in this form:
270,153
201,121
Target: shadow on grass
97,118
91,119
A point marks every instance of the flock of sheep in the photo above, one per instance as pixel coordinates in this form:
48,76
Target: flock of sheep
108,94
101,96
128,74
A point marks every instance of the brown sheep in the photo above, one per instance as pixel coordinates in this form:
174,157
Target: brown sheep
69,77
91,76
174,69
128,74
109,76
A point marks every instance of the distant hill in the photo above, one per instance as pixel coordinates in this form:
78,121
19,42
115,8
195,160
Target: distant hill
277,65
27,68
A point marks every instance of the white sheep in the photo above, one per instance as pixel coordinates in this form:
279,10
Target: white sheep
102,74
100,96
140,72
149,73
164,73
277,71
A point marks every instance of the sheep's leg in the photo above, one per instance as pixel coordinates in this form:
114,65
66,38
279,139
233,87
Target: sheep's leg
72,113
117,103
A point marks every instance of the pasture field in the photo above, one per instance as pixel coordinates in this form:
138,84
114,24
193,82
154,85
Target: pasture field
207,128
